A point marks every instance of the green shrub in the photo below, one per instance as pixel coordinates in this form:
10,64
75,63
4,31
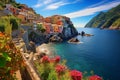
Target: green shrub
5,25
9,23
15,22
10,58
49,69
40,28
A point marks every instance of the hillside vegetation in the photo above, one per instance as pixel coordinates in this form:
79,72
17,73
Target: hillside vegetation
109,19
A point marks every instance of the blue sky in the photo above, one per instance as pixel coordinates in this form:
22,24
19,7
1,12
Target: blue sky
80,11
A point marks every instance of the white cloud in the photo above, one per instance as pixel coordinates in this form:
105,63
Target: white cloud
37,5
92,10
42,3
53,4
48,1
99,3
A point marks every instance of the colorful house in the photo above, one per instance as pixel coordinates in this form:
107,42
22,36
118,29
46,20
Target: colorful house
23,12
30,16
12,9
59,22
55,28
47,20
47,26
22,17
38,19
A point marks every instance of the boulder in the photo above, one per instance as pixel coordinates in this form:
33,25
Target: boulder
55,38
73,40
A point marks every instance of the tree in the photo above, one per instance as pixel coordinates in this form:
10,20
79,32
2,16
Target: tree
40,28
15,22
9,23
5,25
43,30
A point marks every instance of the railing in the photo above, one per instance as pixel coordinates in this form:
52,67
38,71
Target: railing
29,67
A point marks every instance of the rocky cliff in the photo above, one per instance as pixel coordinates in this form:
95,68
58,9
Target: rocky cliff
109,19
68,30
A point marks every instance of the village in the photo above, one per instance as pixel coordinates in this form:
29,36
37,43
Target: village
53,24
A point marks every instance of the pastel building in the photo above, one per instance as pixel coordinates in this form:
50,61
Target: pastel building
38,19
47,20
11,9
30,16
57,28
22,17
47,27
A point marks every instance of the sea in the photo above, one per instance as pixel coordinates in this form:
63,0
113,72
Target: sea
98,54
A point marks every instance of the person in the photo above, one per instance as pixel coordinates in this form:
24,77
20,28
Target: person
82,33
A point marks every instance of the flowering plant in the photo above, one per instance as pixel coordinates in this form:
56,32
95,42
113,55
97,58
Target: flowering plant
45,59
53,69
95,77
60,69
76,75
56,59
10,58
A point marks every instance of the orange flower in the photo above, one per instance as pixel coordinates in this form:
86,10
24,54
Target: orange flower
1,34
7,47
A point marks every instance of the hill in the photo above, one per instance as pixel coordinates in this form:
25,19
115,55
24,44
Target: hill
56,24
109,19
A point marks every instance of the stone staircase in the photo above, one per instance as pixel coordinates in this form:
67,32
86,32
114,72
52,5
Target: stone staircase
30,71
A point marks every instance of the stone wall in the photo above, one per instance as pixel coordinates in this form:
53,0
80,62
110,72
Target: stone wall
25,38
15,33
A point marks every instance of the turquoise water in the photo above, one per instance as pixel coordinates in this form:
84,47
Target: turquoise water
100,53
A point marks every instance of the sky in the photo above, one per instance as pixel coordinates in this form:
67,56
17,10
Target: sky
80,11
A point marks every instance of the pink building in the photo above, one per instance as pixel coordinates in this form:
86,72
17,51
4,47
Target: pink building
47,26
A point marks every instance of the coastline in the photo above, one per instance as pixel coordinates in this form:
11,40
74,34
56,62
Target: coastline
46,48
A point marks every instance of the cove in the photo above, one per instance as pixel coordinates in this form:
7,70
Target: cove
100,53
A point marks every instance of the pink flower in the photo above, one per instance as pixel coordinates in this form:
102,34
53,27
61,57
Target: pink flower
95,77
60,68
57,59
45,59
76,75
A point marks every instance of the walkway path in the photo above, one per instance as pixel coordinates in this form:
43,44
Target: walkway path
28,62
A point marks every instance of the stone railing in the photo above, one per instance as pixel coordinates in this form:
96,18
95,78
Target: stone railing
19,43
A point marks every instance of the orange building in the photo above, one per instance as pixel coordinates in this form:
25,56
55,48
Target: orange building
55,28
22,17
47,27
59,22
47,20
